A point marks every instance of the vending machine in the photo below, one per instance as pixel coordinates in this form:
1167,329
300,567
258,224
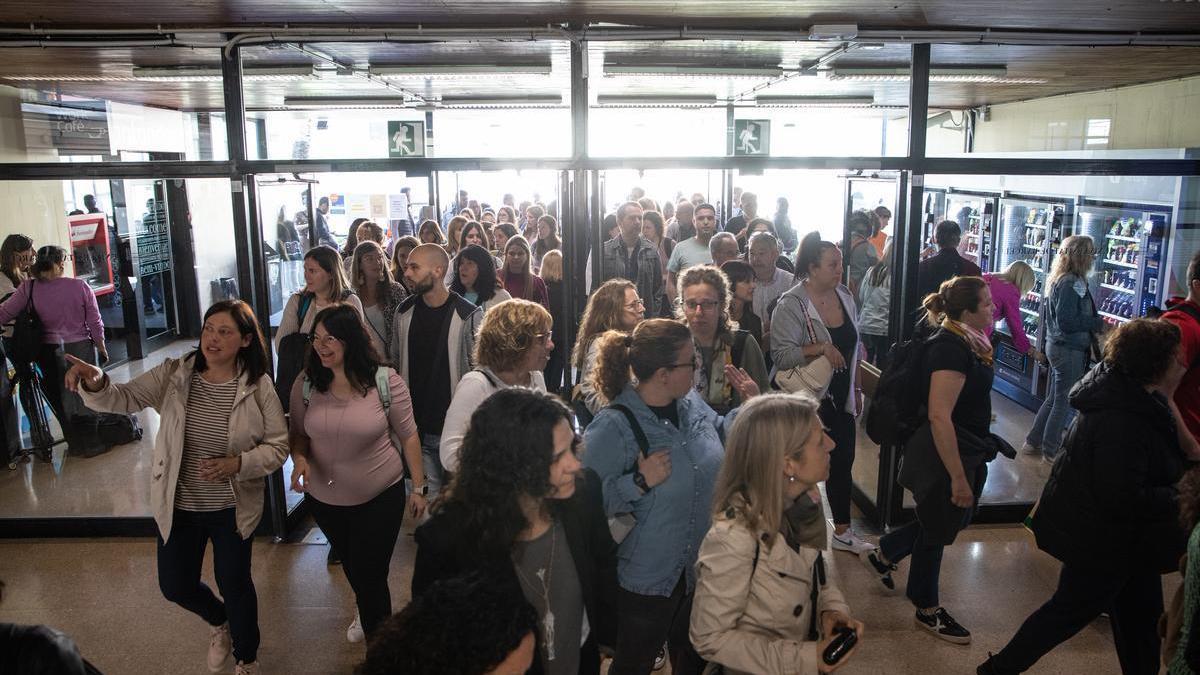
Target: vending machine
1030,229
1130,254
975,213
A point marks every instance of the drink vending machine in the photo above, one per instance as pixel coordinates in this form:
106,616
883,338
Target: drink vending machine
1130,253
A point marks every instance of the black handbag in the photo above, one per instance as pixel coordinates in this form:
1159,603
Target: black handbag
27,332
290,359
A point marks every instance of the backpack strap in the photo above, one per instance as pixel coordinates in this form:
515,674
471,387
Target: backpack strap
642,441
383,387
306,300
491,380
306,389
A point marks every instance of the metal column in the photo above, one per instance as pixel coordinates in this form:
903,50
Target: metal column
576,231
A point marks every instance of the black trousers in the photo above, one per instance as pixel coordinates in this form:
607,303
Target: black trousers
644,622
364,535
841,460
9,425
68,407
877,347
179,561
1133,599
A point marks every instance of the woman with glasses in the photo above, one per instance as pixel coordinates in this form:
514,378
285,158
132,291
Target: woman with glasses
511,350
346,410
614,306
1071,326
704,307
378,292
222,431
657,448
523,514
517,273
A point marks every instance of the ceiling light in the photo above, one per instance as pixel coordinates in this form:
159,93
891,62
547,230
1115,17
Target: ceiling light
501,101
644,101
616,70
459,71
833,31
189,74
815,101
983,75
326,103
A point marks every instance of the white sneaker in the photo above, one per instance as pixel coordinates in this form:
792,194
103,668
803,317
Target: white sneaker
355,632
246,669
219,648
1030,449
849,541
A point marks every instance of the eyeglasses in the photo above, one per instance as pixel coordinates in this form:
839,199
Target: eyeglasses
635,304
542,337
326,341
707,305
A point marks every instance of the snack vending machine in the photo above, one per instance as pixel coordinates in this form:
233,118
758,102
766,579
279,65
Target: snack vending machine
975,213
1030,229
1130,254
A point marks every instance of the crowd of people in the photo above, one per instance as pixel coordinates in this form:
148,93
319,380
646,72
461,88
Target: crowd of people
668,507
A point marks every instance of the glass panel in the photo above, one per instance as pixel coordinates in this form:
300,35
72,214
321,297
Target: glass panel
121,245
109,104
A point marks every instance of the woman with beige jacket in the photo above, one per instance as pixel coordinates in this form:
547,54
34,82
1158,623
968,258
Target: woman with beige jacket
222,430
765,600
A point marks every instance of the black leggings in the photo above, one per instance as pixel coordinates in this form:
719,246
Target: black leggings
180,558
841,460
364,535
644,622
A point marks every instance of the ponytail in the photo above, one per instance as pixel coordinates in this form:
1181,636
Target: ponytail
654,344
955,296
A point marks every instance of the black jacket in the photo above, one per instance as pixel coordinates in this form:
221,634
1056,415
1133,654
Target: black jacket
947,264
445,550
1111,499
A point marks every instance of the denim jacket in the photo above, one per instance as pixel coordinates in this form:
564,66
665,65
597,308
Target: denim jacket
673,517
1071,313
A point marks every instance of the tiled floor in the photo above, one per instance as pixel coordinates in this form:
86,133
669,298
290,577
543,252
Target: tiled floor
103,592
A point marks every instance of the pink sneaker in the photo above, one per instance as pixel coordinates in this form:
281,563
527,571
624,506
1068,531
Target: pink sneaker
219,648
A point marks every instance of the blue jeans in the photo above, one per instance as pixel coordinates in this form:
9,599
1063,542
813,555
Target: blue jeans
179,562
432,463
925,567
1066,368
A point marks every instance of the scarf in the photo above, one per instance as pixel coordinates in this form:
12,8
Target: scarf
803,523
709,379
976,340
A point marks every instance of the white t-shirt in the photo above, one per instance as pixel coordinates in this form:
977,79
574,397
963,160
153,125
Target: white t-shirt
688,253
765,294
472,390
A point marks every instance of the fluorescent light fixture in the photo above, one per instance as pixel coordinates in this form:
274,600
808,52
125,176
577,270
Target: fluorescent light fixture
190,74
618,70
329,103
815,101
452,71
833,31
982,75
644,101
501,101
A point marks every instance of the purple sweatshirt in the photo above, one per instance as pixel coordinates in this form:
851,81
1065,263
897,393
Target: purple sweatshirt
66,306
1007,299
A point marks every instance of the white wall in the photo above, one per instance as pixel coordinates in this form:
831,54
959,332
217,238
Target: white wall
1157,115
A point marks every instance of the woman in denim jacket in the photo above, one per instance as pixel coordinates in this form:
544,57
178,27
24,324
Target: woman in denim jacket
1071,320
667,485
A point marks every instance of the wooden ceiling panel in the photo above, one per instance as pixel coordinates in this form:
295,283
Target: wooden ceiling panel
1094,15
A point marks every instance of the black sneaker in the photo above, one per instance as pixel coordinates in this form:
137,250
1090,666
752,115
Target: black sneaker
989,668
332,558
941,624
883,571
661,659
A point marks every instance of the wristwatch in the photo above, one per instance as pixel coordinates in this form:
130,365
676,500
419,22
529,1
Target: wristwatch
640,481
423,490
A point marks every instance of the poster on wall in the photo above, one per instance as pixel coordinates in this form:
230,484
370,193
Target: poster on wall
398,207
337,204
379,207
358,206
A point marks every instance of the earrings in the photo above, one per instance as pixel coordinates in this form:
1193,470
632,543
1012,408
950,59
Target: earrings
791,478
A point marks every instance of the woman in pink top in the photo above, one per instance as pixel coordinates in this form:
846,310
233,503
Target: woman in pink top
1007,290
342,425
71,324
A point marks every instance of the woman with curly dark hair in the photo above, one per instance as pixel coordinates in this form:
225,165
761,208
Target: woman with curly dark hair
1110,509
346,408
521,508
467,625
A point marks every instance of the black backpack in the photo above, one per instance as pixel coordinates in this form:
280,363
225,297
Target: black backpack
27,332
898,407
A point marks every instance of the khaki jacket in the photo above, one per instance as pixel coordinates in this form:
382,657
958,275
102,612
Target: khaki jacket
754,617
257,432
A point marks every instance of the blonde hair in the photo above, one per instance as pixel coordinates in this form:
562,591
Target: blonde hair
507,333
1020,274
552,266
769,429
1074,258
453,229
603,312
654,344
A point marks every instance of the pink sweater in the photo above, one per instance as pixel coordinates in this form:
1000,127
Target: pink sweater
350,441
66,306
1007,299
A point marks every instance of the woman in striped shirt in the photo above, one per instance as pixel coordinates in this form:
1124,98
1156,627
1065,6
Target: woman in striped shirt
222,431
